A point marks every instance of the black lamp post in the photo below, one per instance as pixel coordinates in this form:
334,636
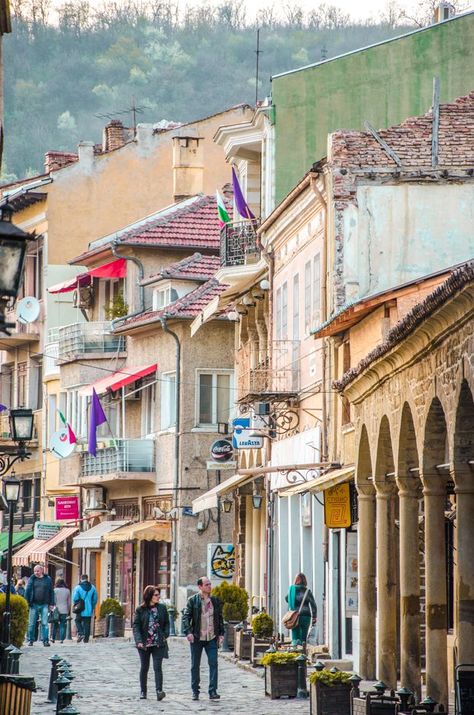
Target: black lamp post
11,487
13,244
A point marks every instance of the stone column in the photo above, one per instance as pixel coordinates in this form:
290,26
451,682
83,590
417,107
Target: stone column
465,569
436,597
410,671
386,586
367,593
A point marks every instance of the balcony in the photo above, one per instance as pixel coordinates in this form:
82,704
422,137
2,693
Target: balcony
21,333
239,243
274,376
86,339
130,460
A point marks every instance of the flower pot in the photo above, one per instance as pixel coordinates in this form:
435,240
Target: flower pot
243,644
100,628
119,627
230,628
330,700
281,680
258,647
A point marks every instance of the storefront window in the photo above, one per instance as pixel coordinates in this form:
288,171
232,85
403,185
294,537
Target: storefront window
124,574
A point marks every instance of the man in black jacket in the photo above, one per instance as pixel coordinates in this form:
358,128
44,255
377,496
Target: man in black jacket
40,596
204,628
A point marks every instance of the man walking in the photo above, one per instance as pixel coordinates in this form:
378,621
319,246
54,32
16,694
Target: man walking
40,597
204,628
85,596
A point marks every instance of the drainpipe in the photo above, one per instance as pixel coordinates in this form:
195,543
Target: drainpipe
141,289
174,522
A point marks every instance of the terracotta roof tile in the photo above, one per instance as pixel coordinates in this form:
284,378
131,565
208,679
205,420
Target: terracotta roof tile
193,268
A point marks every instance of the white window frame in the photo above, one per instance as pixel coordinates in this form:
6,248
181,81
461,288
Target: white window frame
148,411
162,296
212,426
168,401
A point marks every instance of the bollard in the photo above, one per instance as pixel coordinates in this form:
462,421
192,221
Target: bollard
69,628
172,616
7,659
15,655
112,630
355,680
182,632
52,690
380,687
61,683
69,710
334,669
405,696
225,643
301,689
319,666
67,695
429,704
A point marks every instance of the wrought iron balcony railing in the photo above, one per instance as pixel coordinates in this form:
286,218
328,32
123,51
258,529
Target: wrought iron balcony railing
276,373
127,456
239,243
80,338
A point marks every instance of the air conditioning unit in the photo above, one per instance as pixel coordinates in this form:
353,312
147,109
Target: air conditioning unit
261,408
93,498
83,297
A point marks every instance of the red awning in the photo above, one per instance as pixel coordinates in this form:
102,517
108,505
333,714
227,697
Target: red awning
114,269
37,550
118,379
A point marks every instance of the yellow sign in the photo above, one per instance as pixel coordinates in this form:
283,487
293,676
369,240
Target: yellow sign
337,507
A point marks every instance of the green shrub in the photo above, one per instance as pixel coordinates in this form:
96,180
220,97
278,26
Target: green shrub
111,605
235,601
325,677
280,657
19,618
262,625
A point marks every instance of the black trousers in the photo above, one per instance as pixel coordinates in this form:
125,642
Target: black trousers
83,625
145,655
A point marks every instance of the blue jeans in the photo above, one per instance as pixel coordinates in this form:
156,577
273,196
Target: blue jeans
211,651
42,610
61,626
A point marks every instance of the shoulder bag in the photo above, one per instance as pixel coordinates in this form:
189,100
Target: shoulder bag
291,618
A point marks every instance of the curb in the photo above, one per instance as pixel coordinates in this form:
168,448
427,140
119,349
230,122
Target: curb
259,672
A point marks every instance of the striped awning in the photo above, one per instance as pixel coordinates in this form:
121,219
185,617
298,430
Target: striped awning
141,531
36,550
94,538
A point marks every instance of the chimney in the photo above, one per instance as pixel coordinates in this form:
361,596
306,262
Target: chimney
188,167
113,135
54,160
86,154
444,11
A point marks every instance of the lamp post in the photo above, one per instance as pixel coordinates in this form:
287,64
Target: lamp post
13,243
12,494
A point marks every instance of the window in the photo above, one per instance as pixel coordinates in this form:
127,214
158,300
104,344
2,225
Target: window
214,397
282,312
148,409
278,314
26,494
316,289
35,400
163,297
307,297
168,400
296,307
21,384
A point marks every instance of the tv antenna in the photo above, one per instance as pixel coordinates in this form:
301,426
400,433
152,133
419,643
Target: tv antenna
258,52
133,110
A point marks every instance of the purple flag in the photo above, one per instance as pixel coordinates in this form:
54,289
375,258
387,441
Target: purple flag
97,417
3,408
240,202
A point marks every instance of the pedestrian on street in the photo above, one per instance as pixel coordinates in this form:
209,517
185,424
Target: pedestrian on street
84,600
204,628
3,586
40,597
151,628
20,587
300,598
62,597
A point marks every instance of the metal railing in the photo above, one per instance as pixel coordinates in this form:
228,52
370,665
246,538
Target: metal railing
50,359
80,338
239,243
128,455
275,372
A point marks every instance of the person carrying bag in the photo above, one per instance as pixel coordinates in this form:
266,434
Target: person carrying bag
303,610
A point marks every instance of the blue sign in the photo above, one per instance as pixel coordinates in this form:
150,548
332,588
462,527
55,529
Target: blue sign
242,437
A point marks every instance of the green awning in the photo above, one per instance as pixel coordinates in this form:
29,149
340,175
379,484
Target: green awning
19,537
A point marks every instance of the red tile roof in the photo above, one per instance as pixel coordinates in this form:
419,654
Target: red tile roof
185,308
192,268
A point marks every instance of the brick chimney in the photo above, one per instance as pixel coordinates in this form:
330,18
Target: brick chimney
113,135
54,160
188,166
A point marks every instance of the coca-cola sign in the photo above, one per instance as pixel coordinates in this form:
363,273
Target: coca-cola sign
222,450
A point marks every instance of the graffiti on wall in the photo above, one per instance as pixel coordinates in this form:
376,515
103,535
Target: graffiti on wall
220,561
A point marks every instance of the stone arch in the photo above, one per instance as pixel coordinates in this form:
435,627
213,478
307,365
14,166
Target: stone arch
384,461
463,439
407,454
435,444
364,471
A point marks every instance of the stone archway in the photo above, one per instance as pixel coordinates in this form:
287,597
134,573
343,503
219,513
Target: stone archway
387,557
367,564
463,458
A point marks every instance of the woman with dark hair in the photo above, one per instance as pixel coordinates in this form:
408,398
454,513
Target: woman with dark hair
301,599
62,599
151,628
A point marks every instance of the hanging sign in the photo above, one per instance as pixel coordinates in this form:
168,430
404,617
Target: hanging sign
45,530
243,435
337,507
222,450
67,508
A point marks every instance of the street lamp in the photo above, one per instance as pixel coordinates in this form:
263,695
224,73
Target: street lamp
11,491
226,506
21,425
13,244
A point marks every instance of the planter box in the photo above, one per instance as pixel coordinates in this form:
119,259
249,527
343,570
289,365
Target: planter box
119,627
100,628
229,626
258,648
281,681
243,644
334,700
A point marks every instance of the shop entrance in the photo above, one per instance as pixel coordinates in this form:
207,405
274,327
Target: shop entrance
157,565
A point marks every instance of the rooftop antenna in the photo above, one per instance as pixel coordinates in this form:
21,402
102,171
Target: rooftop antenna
133,110
258,52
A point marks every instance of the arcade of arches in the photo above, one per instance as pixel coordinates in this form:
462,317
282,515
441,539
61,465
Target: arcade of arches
413,408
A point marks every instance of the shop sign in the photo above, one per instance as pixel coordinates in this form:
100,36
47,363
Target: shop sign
222,450
352,575
242,437
45,529
337,507
220,562
221,466
67,508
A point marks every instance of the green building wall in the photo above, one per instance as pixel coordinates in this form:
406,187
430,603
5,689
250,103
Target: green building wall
384,84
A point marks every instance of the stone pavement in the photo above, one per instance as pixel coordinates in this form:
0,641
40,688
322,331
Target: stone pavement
106,679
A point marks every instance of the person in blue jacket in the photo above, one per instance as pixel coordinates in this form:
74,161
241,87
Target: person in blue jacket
86,592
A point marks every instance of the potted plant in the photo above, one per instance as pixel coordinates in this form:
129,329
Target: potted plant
281,674
101,625
235,606
330,693
262,636
243,641
18,620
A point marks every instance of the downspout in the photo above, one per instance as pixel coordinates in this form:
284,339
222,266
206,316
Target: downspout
141,289
174,522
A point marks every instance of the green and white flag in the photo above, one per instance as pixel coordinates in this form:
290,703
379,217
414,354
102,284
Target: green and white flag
221,210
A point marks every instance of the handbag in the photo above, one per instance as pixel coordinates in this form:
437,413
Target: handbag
53,616
78,606
291,618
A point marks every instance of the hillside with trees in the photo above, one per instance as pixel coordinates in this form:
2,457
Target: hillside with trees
64,68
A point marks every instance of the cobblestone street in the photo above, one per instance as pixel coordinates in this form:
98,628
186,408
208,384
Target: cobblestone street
106,680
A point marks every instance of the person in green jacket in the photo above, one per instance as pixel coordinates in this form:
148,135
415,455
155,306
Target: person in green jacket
308,614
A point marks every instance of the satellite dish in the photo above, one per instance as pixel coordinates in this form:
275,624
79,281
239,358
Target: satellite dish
28,310
60,445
